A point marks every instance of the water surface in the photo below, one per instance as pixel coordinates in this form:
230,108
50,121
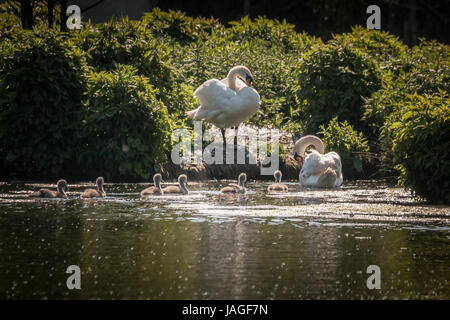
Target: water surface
307,244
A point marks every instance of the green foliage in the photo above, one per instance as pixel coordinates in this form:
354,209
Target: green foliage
348,143
420,133
126,132
333,79
41,85
386,49
180,27
425,70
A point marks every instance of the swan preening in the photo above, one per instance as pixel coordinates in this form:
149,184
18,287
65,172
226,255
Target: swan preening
277,186
95,193
228,102
236,188
61,188
318,170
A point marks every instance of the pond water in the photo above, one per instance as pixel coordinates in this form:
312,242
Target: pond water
307,244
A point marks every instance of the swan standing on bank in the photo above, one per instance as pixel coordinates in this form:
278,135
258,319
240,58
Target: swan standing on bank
317,169
229,102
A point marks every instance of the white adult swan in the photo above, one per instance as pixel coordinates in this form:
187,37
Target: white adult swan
317,169
229,102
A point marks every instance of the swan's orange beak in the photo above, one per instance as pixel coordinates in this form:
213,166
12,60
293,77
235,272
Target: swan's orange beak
249,81
299,160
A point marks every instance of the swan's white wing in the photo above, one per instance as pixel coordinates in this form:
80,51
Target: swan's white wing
214,93
223,106
217,101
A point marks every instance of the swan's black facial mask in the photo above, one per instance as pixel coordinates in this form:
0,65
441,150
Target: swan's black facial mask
249,80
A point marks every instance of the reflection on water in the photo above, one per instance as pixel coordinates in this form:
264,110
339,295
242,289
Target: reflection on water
305,244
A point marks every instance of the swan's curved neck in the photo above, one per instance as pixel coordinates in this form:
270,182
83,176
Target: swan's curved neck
100,188
183,188
306,141
61,189
231,78
157,184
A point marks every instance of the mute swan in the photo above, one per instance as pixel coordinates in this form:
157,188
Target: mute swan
156,190
229,102
95,193
317,169
61,187
181,188
277,186
236,188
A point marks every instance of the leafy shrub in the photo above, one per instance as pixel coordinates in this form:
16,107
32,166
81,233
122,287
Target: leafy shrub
180,27
425,70
271,31
127,129
333,79
41,85
131,43
386,49
421,144
349,144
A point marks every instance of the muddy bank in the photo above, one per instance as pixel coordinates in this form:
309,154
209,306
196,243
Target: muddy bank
204,171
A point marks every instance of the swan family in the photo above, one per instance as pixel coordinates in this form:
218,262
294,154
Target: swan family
225,104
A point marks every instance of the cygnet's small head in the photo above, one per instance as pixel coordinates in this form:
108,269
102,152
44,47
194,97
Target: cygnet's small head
182,179
157,178
277,174
99,182
242,178
62,185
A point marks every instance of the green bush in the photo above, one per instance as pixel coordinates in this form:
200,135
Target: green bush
349,144
333,79
386,49
41,86
421,145
179,27
126,132
425,70
129,42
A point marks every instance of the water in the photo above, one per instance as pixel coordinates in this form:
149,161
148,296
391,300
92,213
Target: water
308,244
